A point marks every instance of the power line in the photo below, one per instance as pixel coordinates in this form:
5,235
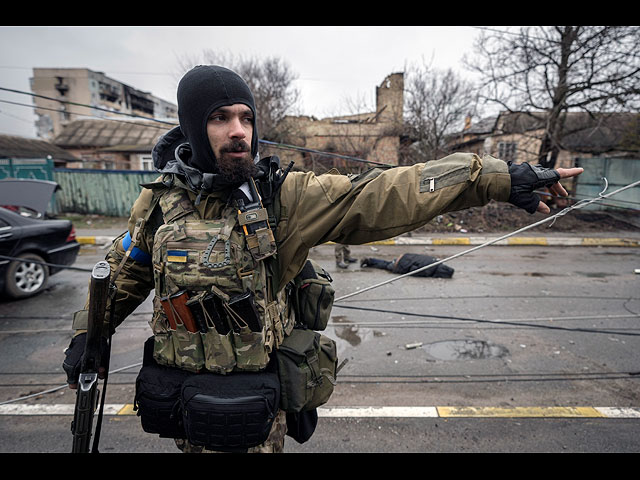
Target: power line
516,34
82,114
553,218
66,102
173,124
495,322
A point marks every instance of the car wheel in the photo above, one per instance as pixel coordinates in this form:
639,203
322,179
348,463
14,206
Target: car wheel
26,278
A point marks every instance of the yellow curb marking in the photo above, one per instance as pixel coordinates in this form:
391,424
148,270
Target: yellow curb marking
451,241
615,242
528,241
126,410
518,412
86,240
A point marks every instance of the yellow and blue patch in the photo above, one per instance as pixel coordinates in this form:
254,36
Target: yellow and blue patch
177,256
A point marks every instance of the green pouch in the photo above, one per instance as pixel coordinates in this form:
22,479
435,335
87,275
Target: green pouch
189,352
163,351
308,364
251,350
218,351
313,296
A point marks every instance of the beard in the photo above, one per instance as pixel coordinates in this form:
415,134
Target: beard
236,170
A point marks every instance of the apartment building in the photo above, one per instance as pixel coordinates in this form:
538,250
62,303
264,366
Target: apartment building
68,89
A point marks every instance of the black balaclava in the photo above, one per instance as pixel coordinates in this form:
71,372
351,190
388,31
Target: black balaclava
202,90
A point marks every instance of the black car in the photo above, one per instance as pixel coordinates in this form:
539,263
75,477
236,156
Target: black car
34,239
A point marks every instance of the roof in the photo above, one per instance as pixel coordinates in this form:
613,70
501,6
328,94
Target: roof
14,146
112,134
582,131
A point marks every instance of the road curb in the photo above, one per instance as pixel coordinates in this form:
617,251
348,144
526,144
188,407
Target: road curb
377,412
515,241
467,240
94,240
521,241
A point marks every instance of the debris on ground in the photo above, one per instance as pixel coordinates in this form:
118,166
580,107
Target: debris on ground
504,217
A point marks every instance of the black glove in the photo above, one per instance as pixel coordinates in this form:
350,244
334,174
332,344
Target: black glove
525,179
73,357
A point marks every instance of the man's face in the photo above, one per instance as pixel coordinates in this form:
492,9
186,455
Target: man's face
230,130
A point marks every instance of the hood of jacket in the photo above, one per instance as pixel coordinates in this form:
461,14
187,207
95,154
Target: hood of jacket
172,153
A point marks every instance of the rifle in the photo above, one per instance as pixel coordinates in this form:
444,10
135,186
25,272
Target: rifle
87,393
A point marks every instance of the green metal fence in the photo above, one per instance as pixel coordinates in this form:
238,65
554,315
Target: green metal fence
103,192
34,168
619,172
113,192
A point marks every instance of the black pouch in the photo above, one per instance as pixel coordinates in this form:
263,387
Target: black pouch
230,413
157,398
301,425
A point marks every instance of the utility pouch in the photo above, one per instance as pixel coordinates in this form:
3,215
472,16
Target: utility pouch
307,366
260,239
157,397
230,412
313,296
254,219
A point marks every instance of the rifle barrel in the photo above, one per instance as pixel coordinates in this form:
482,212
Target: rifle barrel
88,393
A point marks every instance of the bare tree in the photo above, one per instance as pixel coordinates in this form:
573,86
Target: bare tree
437,102
271,80
558,69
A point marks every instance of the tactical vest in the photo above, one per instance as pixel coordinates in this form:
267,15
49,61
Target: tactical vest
214,307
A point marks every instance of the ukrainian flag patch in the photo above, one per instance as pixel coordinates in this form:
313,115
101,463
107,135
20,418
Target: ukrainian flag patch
177,256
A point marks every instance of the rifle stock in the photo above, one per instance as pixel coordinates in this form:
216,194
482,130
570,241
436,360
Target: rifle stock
87,393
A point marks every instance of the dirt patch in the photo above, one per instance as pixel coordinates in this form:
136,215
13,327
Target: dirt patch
92,221
504,217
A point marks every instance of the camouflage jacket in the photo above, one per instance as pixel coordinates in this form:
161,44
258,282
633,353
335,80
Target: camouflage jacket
314,209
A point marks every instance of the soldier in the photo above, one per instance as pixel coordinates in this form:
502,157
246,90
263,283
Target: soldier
343,256
198,235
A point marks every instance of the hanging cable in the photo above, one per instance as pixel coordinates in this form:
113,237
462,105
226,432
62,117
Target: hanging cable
51,390
172,124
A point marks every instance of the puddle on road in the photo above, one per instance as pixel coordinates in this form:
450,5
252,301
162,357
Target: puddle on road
595,274
352,334
465,350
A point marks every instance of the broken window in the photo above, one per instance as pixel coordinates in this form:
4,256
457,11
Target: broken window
507,151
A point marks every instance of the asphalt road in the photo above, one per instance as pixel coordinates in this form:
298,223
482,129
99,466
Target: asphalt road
532,349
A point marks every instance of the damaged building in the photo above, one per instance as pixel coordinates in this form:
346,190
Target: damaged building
67,90
373,136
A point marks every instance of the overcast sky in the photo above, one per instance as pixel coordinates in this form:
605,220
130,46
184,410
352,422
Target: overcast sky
333,64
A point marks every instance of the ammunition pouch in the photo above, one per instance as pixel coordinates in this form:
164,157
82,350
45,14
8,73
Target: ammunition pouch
219,412
307,366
